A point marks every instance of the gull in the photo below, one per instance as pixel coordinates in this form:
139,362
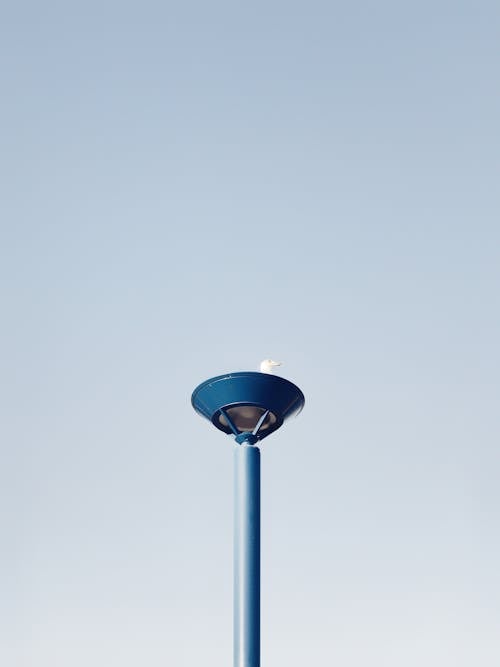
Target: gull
267,366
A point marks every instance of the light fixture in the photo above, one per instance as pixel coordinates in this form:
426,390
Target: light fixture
247,403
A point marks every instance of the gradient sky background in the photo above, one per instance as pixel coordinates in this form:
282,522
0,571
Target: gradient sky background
188,188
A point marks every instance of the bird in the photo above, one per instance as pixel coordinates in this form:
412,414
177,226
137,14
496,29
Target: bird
268,365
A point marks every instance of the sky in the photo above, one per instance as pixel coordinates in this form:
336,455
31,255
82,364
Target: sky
189,188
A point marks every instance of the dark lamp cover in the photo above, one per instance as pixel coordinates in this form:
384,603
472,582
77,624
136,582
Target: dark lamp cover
247,402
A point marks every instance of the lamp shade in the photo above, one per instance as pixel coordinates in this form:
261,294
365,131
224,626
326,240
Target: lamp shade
247,402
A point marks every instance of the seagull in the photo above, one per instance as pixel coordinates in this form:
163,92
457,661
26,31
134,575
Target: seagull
267,366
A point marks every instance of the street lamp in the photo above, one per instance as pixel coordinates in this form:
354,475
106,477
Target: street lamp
250,406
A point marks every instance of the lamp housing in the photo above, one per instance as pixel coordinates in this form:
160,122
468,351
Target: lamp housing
247,402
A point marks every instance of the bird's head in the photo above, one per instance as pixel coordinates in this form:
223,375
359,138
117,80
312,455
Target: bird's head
268,365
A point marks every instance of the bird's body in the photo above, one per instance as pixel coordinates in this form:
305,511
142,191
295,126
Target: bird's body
268,365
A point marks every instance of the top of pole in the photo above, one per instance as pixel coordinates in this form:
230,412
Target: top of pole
247,403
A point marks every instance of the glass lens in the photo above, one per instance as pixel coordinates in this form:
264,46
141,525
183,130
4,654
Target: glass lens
245,418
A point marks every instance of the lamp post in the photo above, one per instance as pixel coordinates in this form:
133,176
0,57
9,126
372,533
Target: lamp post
250,406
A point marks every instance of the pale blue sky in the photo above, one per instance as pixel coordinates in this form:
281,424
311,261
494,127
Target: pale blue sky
188,188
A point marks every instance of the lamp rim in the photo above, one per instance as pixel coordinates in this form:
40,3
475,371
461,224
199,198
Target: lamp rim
269,378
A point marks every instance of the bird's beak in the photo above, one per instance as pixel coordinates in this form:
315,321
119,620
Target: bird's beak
275,363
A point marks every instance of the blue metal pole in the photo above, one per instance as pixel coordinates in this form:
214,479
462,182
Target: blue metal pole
246,555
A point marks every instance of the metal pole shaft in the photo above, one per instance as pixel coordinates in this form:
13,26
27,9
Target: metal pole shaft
246,556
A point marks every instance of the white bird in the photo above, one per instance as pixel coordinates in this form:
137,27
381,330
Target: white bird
268,365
